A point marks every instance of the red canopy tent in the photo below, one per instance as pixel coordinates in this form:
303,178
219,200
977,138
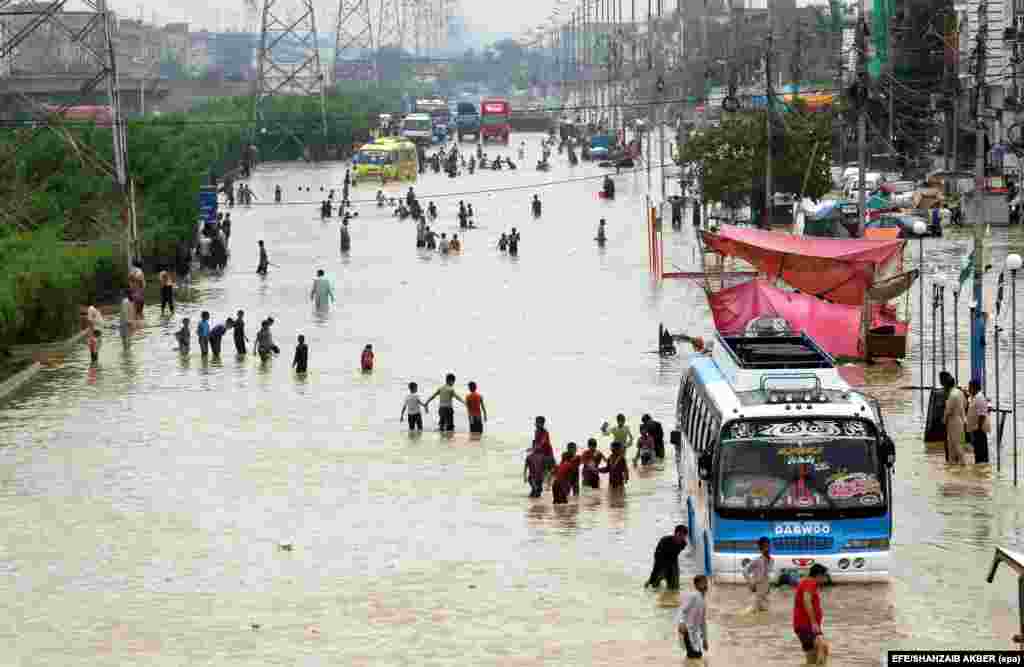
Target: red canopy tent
829,324
840,270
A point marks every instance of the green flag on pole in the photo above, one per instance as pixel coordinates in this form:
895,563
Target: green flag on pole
966,268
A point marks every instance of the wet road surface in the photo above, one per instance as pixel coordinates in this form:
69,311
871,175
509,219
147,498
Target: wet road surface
143,502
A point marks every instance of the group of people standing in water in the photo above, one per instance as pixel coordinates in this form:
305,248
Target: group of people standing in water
564,474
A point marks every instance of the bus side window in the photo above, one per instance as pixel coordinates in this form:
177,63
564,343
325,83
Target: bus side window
712,436
698,431
691,428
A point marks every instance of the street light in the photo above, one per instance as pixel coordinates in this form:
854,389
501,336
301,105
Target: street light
942,284
919,230
1013,263
955,286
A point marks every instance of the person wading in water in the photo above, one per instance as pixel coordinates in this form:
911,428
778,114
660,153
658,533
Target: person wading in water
240,338
666,559
261,268
446,410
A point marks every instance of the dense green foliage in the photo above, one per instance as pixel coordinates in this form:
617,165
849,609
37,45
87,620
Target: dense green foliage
729,159
60,214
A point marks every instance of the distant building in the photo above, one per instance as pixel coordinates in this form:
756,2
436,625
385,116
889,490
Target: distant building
226,55
49,49
139,47
177,45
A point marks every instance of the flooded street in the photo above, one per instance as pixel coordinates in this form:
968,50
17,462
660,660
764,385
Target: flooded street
143,502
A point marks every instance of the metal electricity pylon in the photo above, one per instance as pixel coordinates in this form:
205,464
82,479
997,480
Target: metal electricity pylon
391,24
288,62
89,33
355,45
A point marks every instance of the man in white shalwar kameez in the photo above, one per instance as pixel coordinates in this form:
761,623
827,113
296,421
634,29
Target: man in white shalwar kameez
322,293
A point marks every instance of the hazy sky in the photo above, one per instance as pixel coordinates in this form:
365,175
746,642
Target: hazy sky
491,16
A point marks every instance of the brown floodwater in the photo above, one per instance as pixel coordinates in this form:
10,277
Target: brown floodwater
143,503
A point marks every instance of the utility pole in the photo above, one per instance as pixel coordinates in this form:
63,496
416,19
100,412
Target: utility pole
978,321
862,90
769,194
837,37
650,55
660,110
892,82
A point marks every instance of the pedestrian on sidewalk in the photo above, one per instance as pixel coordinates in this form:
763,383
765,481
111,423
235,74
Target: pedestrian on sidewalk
666,559
240,338
808,616
978,423
366,359
203,333
691,620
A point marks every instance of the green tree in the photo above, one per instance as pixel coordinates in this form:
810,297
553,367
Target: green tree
729,159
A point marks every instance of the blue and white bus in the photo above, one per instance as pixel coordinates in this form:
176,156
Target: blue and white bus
774,443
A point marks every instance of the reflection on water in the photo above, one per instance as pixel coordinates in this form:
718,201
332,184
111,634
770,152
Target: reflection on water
144,500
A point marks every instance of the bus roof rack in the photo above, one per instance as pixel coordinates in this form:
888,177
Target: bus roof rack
796,351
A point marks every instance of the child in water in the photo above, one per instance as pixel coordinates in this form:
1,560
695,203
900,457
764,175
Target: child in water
93,341
366,360
534,470
301,356
184,337
645,449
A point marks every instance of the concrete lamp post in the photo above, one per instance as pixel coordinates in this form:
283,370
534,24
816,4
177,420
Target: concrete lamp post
920,228
1013,263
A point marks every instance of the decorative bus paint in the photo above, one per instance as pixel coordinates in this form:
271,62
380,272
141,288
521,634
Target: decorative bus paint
495,119
391,158
771,442
418,128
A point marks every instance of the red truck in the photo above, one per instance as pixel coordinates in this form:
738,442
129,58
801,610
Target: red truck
495,119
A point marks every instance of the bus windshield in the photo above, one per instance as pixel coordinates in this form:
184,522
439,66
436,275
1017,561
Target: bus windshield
417,124
494,119
799,465
373,157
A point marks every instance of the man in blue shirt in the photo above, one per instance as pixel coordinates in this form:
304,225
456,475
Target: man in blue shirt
203,332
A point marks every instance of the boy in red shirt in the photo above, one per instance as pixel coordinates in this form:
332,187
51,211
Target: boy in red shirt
563,482
616,467
591,460
366,360
476,409
542,439
533,471
808,617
